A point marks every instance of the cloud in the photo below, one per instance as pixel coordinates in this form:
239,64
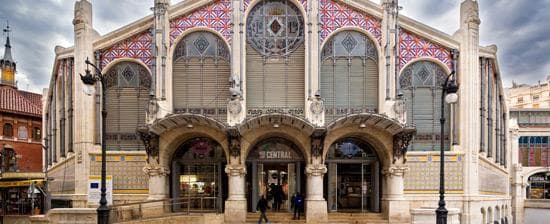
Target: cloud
518,28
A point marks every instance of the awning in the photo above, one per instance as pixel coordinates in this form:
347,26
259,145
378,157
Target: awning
21,183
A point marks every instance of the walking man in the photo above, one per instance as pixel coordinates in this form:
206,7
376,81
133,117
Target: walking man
262,207
298,205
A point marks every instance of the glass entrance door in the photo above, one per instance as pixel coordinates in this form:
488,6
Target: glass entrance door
352,187
278,182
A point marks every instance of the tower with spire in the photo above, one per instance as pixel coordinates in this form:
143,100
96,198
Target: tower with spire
7,65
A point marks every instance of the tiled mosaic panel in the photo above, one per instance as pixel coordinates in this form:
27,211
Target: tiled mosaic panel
247,3
137,47
216,16
491,181
334,15
424,173
412,46
127,171
62,178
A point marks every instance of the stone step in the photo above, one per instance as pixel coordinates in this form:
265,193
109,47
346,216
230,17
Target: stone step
336,218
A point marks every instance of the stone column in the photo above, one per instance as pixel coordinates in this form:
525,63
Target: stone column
235,205
316,205
397,208
158,182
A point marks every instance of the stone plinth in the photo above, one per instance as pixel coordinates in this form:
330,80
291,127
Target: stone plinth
427,216
316,211
66,216
235,211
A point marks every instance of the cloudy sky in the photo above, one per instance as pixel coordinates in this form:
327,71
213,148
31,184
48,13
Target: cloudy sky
518,27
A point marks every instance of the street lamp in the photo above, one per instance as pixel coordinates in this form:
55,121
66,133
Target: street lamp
89,80
450,87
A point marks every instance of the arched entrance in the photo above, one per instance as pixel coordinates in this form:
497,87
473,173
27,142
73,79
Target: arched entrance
353,180
277,167
198,182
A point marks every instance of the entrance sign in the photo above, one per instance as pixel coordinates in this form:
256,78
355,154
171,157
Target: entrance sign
94,189
275,149
274,155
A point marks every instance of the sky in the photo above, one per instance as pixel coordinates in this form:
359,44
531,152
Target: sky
518,27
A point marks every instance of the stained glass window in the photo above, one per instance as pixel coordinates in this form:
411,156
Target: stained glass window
275,28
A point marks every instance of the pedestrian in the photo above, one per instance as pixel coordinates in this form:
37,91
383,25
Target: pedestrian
278,198
262,207
298,205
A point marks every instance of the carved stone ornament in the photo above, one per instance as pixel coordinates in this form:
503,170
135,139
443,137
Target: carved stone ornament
235,170
156,170
398,171
234,106
317,141
317,107
401,143
150,142
316,169
234,140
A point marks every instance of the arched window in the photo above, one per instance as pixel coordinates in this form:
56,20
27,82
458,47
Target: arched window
8,159
8,130
421,83
127,93
349,75
22,132
36,134
275,58
201,75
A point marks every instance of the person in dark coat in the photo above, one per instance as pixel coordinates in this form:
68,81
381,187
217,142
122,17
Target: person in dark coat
262,207
277,198
298,205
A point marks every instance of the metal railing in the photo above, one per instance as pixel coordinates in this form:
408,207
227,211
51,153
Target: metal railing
164,207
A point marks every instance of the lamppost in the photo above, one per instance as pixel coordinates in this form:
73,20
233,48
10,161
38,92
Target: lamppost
89,80
450,87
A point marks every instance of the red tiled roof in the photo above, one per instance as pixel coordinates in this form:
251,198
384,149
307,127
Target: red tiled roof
20,102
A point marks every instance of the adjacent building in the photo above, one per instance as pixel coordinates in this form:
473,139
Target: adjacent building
213,104
530,128
21,170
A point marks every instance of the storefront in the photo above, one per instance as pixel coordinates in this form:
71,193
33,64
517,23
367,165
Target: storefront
21,197
539,186
198,180
277,169
353,180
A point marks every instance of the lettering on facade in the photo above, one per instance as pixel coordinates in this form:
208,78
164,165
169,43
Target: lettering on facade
260,111
274,155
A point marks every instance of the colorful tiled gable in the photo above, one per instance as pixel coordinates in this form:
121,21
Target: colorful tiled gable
334,15
247,3
137,47
216,16
412,46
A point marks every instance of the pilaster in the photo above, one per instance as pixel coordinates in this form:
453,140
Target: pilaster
160,48
396,207
313,114
158,181
84,113
388,58
235,205
316,205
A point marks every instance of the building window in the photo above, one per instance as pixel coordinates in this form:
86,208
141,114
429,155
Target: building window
539,186
536,97
520,99
421,84
8,130
534,151
36,134
22,132
8,161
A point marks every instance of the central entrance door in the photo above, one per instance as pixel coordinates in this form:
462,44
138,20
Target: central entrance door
276,166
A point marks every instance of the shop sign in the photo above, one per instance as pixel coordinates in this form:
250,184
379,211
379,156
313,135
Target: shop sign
274,155
94,189
22,183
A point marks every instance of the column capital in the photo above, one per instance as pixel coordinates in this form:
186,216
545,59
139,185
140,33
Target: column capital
315,169
235,170
398,171
156,170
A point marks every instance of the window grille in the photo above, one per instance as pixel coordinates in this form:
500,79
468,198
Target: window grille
349,75
127,93
201,75
422,83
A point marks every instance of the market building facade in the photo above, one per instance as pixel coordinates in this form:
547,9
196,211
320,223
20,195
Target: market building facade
222,102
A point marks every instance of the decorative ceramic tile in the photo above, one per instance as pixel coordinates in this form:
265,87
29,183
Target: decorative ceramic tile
137,47
423,174
216,16
334,15
247,3
126,174
412,46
